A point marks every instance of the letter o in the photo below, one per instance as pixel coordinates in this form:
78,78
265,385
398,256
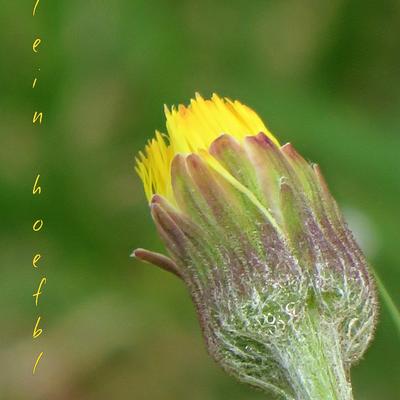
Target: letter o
37,225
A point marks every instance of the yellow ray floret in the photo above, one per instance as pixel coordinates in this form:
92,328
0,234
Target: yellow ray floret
192,129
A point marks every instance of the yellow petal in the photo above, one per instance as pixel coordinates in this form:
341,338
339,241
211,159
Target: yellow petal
192,129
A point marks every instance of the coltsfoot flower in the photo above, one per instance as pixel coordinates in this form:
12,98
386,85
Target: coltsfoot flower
282,291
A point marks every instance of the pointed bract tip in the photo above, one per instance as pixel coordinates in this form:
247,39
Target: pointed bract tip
221,143
194,161
157,259
261,139
155,199
178,160
290,151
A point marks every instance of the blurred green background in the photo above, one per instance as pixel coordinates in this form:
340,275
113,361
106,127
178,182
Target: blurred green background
324,75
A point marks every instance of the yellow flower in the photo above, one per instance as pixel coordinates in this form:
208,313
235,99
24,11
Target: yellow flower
192,129
283,293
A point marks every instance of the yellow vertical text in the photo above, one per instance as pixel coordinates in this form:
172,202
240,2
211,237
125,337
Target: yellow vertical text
35,45
36,187
37,116
34,7
36,259
36,330
37,362
37,225
38,292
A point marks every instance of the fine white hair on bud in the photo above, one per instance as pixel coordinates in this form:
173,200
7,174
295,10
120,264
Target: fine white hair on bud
283,293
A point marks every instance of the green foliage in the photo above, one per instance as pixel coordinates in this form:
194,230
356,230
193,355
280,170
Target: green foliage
323,75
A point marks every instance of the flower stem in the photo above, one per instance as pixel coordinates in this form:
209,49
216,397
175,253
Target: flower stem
314,362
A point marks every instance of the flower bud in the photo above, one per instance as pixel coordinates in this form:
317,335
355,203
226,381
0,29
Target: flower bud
283,293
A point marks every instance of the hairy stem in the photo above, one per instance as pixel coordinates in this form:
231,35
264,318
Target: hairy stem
313,361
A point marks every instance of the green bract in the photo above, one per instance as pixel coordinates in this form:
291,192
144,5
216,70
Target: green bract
282,290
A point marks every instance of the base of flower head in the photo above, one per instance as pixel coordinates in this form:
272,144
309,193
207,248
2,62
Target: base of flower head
304,364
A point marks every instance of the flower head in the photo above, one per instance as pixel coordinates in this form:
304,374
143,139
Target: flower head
191,130
283,293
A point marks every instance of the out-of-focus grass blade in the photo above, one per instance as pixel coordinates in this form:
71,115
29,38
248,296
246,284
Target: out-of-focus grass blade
391,306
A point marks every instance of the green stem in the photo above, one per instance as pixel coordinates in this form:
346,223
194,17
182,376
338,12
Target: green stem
314,362
391,306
